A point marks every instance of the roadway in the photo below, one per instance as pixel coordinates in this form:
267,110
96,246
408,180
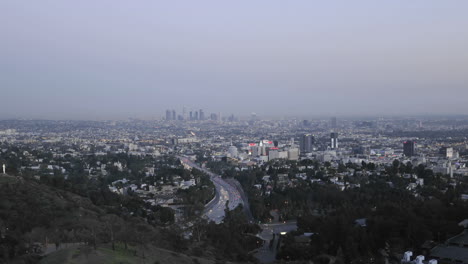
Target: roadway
270,235
214,210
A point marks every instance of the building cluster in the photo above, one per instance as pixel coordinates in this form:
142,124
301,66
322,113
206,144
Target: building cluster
342,150
249,142
194,115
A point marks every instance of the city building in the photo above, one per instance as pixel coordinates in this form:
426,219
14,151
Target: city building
447,152
273,153
214,117
409,148
306,143
168,115
233,151
454,250
334,140
293,154
202,115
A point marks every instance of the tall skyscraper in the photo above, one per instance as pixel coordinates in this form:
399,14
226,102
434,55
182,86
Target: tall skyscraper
334,140
168,115
191,115
202,115
408,148
214,117
306,143
231,118
196,115
174,117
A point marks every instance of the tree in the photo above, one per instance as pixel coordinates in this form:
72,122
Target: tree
199,229
113,223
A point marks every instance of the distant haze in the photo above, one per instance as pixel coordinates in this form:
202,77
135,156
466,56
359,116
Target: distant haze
111,59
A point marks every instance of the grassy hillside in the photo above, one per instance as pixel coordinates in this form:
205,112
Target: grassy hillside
105,255
32,214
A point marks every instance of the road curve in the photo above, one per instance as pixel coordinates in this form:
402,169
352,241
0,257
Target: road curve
214,210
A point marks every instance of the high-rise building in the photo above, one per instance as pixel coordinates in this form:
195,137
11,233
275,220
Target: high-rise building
293,154
255,151
233,151
191,115
214,117
174,117
447,152
273,153
196,115
202,115
408,148
231,118
306,143
168,115
334,140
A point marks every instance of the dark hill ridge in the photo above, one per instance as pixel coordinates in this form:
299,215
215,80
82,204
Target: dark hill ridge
40,222
26,204
104,254
34,214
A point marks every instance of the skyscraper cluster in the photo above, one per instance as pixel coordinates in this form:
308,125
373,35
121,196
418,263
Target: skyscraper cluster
172,115
199,115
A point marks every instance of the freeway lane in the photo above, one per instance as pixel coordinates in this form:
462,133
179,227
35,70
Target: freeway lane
214,210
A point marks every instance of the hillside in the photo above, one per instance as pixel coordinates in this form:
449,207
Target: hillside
104,254
33,215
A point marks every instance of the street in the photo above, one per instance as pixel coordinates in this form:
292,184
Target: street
270,234
214,210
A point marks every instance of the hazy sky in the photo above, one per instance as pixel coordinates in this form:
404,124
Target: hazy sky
115,59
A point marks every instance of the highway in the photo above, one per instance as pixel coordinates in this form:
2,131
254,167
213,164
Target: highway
214,210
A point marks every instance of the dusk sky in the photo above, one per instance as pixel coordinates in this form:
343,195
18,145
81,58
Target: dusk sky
118,59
